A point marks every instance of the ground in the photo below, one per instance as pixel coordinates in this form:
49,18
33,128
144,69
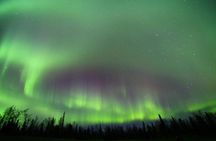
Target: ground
8,138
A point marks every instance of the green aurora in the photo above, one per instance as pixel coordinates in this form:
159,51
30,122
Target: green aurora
108,61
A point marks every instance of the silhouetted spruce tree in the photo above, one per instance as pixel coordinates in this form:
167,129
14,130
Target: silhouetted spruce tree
61,124
174,127
163,129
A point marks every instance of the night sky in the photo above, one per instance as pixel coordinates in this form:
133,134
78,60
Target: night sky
108,61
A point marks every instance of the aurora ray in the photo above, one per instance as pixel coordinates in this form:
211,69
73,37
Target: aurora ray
108,61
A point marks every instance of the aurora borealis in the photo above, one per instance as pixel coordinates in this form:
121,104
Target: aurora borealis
108,61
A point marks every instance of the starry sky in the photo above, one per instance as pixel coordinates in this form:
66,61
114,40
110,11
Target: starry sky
108,61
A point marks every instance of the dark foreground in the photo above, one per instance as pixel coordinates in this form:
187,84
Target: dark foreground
18,125
14,138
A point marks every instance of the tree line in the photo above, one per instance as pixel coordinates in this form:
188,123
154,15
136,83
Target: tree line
16,122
